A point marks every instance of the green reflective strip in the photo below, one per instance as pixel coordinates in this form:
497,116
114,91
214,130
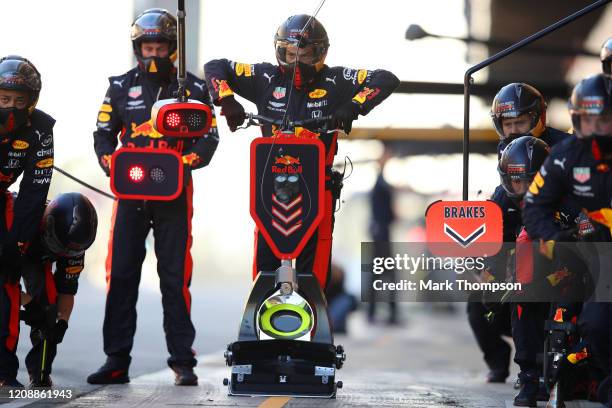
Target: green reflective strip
44,360
266,323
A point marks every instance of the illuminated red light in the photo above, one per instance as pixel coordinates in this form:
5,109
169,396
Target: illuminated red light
173,119
136,174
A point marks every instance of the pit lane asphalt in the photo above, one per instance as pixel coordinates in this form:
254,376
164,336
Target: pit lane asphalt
432,361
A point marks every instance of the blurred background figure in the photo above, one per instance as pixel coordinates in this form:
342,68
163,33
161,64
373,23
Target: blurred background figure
382,216
340,303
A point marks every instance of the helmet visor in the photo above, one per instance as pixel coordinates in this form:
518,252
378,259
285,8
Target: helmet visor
291,51
513,125
516,185
60,250
588,125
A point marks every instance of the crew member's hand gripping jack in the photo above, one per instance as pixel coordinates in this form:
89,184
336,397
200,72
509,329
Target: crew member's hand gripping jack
285,343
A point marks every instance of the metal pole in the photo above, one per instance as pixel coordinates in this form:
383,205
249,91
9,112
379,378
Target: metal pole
182,76
467,80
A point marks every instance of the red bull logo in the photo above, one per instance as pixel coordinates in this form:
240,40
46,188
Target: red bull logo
559,315
287,164
224,89
191,159
302,132
145,129
578,356
287,160
361,96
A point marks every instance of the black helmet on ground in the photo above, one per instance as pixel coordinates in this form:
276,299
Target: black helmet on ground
515,100
70,223
17,74
155,25
519,163
301,45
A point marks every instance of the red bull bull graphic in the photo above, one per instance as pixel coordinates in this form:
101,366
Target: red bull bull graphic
287,160
191,159
145,129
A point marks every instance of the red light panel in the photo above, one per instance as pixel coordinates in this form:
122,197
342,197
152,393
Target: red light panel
173,119
136,174
181,119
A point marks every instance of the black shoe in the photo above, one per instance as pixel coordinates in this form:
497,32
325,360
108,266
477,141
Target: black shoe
184,375
497,376
527,396
112,372
37,382
10,383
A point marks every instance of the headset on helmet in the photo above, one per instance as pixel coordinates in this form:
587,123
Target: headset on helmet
70,223
516,99
304,37
519,163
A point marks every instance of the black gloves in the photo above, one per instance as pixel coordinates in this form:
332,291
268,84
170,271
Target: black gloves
344,116
43,319
105,163
11,261
56,334
34,314
233,112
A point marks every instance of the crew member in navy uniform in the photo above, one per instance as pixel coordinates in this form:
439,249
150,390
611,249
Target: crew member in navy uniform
300,87
579,168
518,109
51,270
125,118
26,148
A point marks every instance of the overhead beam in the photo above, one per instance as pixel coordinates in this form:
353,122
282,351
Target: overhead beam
484,90
424,134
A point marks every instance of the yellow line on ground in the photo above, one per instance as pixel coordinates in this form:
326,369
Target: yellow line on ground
275,402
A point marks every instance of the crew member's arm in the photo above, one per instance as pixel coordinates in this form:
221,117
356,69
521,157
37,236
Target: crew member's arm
371,88
66,278
33,189
107,127
496,266
202,151
543,199
361,91
224,77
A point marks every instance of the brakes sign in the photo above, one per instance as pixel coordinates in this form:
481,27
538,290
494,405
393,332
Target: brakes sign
464,228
